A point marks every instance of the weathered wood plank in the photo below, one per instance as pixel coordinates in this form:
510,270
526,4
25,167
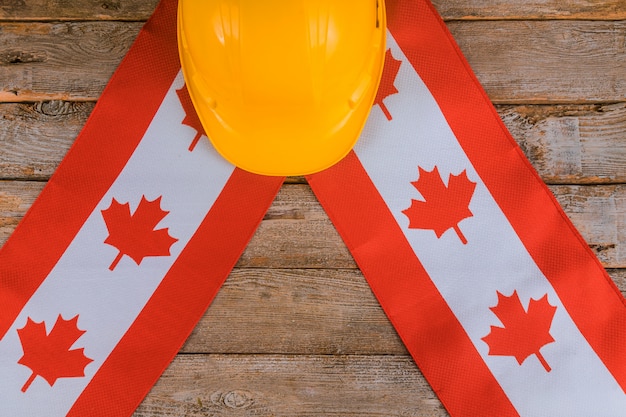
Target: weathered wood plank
34,137
285,386
546,61
303,311
329,312
16,197
42,10
599,214
297,233
69,60
533,9
618,276
565,143
569,143
516,61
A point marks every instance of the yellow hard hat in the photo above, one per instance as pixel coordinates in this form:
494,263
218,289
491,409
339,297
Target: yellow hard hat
282,87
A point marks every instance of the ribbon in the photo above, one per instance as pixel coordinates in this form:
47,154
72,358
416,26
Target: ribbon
502,305
485,279
125,248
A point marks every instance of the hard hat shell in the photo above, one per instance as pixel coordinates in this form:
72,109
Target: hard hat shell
282,87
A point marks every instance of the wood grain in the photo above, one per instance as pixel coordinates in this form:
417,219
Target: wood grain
546,61
567,144
516,61
570,143
295,311
532,9
286,386
301,311
57,61
44,10
36,136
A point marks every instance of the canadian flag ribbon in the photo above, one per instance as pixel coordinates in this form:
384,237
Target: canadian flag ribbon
500,302
502,305
125,248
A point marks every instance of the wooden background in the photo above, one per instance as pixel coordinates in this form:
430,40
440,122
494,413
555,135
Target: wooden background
296,331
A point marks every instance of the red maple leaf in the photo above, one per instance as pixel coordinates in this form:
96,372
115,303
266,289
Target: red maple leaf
191,116
443,206
49,355
524,332
386,87
134,235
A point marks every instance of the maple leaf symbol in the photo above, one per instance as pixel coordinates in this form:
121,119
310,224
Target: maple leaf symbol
443,206
134,235
191,116
524,332
386,87
49,355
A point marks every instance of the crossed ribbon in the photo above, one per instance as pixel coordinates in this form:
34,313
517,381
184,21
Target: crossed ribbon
434,176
